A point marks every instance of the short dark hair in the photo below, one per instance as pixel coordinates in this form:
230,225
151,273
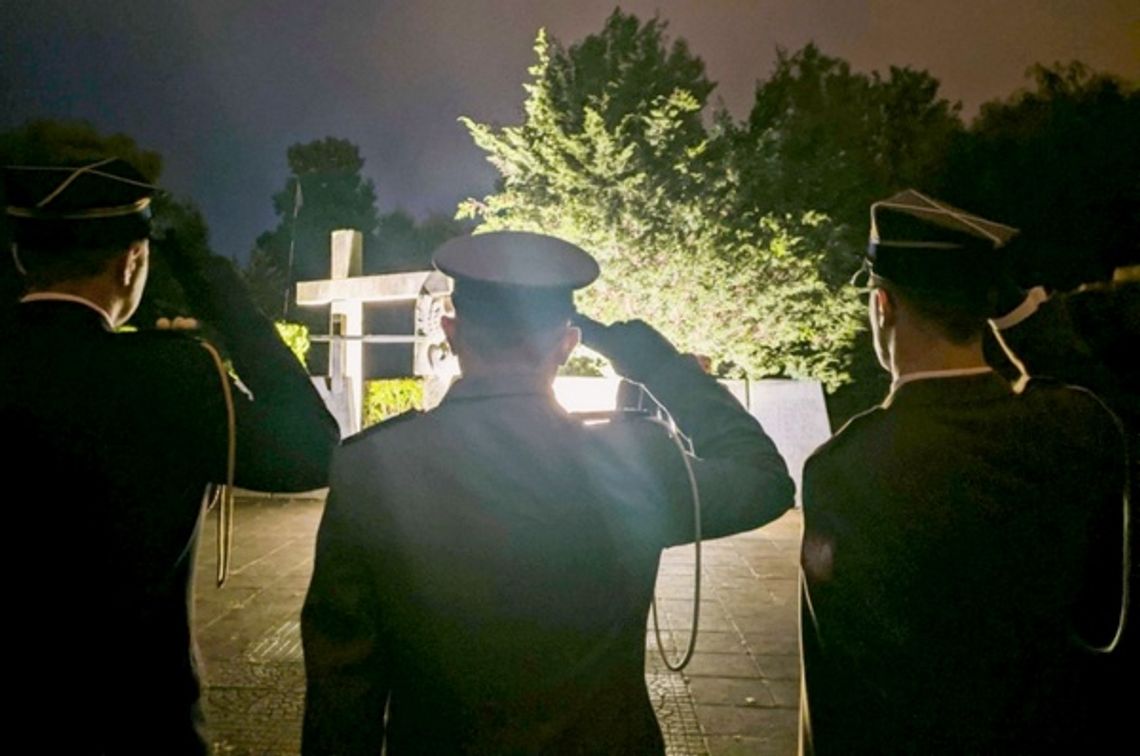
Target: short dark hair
960,322
49,252
505,329
42,268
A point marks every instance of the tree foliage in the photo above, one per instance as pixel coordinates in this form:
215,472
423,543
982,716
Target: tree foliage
325,191
824,137
390,397
631,174
403,244
1061,161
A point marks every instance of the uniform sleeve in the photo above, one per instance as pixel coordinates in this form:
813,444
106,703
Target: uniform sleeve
347,680
285,435
830,563
742,479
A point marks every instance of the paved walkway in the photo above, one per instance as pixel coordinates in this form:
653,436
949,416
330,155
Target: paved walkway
739,695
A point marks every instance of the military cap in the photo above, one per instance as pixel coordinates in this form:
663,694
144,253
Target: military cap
933,248
515,276
102,202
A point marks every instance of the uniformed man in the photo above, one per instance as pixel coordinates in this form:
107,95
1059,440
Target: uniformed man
1088,337
113,439
484,570
961,553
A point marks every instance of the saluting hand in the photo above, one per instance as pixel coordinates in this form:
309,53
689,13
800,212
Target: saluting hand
635,348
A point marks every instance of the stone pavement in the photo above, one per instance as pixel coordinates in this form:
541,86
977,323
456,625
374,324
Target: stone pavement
739,695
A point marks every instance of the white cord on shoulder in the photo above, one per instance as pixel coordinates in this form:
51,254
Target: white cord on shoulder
694,491
225,494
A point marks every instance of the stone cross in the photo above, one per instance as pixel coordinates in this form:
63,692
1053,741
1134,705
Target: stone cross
346,292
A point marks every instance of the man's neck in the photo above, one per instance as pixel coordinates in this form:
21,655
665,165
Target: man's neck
95,292
496,371
935,355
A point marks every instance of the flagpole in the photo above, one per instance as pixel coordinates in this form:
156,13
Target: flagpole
297,200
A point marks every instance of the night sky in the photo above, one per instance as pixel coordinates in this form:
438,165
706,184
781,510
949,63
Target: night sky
222,87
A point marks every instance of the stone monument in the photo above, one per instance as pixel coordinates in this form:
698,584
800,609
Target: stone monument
346,292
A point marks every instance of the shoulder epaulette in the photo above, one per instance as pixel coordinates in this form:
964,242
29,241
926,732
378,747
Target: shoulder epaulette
382,425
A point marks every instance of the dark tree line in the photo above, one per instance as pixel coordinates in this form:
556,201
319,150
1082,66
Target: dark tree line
736,236
749,230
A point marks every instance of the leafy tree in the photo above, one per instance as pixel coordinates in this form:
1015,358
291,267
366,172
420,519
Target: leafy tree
401,244
62,142
178,230
628,62
296,337
628,171
267,282
823,137
324,192
1061,161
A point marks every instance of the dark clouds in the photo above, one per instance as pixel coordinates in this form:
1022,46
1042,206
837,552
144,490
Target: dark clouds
221,88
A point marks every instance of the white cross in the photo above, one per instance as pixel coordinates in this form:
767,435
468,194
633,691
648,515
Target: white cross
346,292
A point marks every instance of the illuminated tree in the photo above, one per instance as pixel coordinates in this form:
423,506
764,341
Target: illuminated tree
823,136
626,169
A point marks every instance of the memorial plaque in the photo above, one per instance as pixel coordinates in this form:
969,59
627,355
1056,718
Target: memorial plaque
794,414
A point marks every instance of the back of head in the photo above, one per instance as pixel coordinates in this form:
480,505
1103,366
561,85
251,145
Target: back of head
68,221
514,290
943,263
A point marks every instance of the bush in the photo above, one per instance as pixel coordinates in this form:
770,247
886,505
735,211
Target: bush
388,398
296,337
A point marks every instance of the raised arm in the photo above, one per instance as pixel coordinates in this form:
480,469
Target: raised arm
742,479
285,436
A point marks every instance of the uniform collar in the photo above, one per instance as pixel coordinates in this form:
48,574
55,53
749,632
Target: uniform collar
55,296
923,375
949,387
512,384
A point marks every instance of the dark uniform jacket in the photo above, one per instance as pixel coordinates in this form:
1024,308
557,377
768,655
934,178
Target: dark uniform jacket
1091,338
961,546
485,569
113,438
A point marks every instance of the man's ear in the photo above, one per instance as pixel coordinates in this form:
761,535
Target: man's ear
571,338
886,306
123,266
128,264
